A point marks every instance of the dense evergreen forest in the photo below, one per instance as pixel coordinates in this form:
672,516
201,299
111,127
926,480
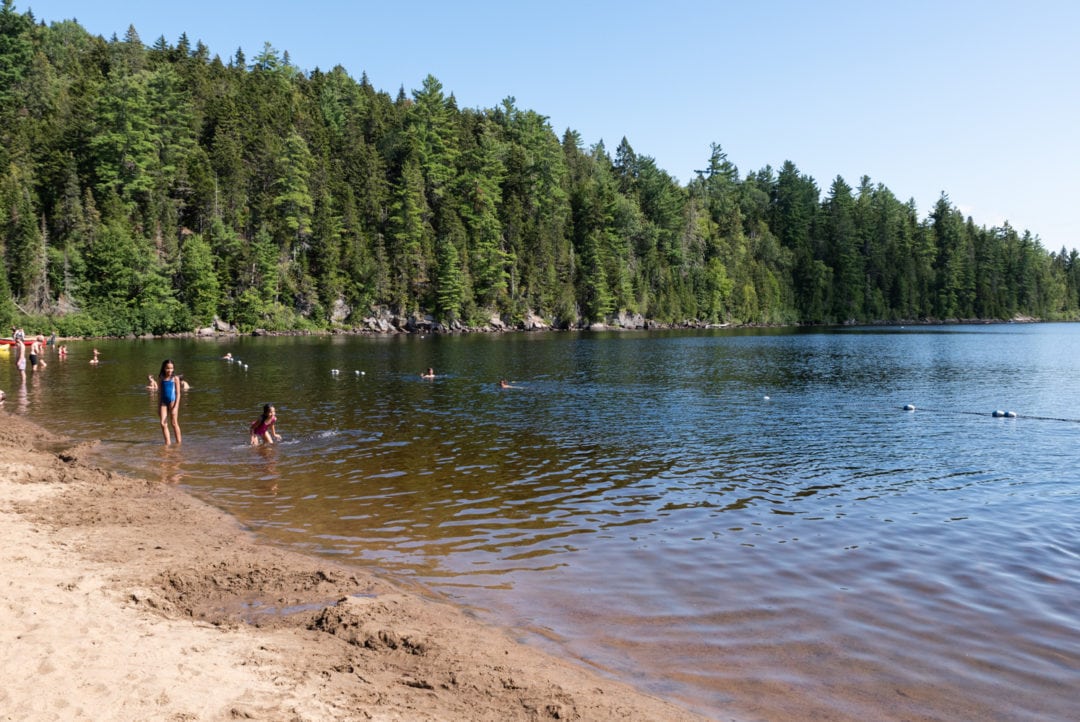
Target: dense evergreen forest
152,189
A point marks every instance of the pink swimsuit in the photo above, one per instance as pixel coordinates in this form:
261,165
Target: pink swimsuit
263,427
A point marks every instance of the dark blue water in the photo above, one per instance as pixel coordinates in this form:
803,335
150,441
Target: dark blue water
744,521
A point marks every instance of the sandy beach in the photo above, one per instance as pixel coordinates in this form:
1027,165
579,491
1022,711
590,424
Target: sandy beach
122,599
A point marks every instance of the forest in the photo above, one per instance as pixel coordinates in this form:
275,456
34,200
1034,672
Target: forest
154,189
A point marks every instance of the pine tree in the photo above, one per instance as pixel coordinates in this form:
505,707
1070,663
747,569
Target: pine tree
199,288
16,53
431,124
449,281
292,198
409,234
840,236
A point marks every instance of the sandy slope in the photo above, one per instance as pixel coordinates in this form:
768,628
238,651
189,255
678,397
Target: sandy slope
126,600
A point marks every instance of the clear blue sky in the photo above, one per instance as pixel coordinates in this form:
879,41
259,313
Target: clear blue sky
980,99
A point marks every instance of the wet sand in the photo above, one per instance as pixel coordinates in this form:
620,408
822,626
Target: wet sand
122,599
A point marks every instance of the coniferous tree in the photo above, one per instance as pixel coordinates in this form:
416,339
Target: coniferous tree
449,282
279,198
199,287
839,229
16,53
409,234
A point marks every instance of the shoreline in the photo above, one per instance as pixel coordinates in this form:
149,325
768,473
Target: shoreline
127,600
430,327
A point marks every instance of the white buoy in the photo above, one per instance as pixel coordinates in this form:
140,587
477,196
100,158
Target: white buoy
1010,414
909,407
766,398
998,413
335,372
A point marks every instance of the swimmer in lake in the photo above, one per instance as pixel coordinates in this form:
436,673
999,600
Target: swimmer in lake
264,427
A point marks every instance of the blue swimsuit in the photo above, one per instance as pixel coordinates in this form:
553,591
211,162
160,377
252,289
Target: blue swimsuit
168,391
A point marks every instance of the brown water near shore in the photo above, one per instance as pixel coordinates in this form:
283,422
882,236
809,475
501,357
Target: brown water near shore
128,600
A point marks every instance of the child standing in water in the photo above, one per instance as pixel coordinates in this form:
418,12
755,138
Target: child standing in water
169,400
264,427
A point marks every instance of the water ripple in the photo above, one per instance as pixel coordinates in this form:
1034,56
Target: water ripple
639,502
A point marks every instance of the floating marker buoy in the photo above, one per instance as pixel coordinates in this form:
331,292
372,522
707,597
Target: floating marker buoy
998,414
766,398
1010,414
335,372
909,407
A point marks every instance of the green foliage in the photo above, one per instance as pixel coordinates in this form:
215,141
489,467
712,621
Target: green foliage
7,303
150,189
198,284
16,50
292,197
75,324
449,281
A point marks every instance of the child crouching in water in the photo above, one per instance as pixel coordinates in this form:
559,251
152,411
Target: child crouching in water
264,427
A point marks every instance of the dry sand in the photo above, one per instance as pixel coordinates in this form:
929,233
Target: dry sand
127,600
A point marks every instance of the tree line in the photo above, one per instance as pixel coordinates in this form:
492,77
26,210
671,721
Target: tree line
152,189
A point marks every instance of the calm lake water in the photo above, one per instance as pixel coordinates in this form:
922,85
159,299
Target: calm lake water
746,522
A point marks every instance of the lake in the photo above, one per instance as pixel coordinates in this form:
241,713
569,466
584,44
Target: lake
744,521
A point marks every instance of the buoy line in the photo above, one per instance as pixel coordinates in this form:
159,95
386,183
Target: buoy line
996,414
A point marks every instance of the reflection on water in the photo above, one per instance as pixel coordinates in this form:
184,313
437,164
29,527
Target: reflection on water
747,522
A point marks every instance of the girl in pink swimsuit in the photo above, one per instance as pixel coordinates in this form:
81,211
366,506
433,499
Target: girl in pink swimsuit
264,427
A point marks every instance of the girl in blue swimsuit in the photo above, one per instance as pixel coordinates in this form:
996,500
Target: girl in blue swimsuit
169,400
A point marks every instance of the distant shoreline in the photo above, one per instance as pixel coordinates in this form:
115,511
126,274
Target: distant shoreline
434,328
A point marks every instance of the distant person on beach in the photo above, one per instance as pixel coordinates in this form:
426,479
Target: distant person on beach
429,374
264,427
169,400
151,384
96,360
183,383
62,350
